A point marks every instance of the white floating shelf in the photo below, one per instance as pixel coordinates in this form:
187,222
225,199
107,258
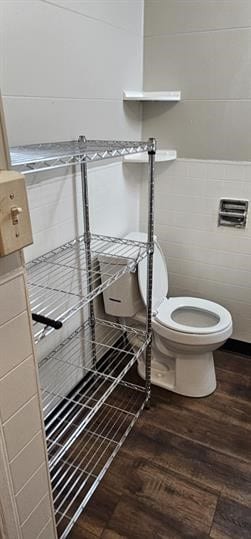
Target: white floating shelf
161,156
151,96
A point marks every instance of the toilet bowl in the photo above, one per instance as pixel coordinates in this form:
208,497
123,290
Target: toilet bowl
186,330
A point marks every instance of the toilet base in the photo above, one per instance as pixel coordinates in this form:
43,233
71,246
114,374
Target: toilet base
191,376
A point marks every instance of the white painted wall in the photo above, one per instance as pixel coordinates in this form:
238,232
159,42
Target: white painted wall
64,66
204,260
201,47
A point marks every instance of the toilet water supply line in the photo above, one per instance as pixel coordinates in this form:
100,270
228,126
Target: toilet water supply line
148,360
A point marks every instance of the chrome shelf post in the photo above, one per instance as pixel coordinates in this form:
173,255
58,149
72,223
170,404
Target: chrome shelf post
87,240
150,239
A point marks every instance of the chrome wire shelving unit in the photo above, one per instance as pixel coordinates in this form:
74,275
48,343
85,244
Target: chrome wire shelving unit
40,157
86,425
59,280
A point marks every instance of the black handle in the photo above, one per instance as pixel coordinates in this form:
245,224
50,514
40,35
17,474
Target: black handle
56,324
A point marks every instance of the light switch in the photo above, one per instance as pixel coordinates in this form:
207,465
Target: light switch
15,225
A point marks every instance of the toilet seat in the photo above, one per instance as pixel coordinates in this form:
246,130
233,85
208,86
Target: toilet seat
167,308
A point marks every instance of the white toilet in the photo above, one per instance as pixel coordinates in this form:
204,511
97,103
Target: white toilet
186,330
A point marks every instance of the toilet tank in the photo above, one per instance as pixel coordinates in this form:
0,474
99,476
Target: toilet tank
121,299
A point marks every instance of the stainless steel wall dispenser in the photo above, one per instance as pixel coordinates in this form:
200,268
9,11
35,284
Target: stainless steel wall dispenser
233,212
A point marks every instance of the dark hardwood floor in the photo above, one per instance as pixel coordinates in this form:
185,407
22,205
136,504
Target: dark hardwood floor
185,469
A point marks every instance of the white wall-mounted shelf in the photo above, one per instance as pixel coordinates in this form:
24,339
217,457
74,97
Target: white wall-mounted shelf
161,156
151,96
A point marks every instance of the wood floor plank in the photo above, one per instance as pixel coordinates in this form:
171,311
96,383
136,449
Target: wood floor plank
134,520
94,519
213,470
175,501
193,423
231,521
79,533
111,534
230,362
131,521
234,384
232,411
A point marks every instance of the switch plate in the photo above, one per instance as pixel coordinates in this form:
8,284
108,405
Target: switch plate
15,225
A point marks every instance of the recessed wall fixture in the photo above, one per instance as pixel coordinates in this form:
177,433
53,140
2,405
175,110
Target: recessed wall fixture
233,212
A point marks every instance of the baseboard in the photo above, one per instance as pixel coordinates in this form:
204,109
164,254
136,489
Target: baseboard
240,347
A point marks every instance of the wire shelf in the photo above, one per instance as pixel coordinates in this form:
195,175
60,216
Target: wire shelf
66,416
78,474
58,281
39,157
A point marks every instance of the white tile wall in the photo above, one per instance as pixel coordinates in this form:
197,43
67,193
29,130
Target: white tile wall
31,494
15,343
56,207
33,453
47,532
35,523
21,427
23,377
20,417
16,299
204,260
